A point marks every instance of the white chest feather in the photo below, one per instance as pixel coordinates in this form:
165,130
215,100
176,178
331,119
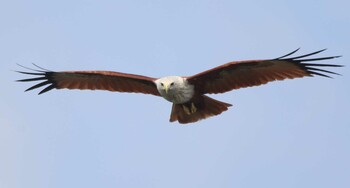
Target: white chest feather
180,95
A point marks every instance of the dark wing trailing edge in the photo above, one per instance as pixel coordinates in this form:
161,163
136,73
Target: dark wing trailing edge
240,74
90,80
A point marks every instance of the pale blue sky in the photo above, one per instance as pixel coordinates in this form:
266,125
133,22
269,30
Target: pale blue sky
288,134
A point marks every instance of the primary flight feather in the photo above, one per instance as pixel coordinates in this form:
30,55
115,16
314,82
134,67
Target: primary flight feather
187,94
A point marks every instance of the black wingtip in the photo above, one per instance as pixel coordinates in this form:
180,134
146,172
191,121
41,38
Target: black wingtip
319,74
38,85
43,69
41,74
32,79
306,55
304,61
48,88
309,54
338,56
31,73
288,54
321,70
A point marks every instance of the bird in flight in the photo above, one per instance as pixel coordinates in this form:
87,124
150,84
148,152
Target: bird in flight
187,93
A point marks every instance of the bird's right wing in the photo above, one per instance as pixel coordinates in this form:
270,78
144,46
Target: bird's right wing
91,80
241,74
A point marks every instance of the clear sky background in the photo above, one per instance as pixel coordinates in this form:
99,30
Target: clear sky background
294,133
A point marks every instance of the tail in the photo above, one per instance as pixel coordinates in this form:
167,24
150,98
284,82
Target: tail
198,108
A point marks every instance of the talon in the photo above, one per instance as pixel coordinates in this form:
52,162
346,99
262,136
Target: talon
193,108
187,111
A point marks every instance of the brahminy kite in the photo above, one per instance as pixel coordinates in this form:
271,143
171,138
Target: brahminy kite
187,93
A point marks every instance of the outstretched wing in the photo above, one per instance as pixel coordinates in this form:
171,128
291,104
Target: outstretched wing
240,74
91,80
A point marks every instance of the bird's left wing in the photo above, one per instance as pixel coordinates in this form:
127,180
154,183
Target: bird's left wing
91,80
240,74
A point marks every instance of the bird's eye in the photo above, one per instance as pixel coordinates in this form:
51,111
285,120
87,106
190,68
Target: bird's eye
161,84
172,83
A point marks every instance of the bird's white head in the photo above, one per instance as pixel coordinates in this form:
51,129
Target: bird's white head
169,84
174,88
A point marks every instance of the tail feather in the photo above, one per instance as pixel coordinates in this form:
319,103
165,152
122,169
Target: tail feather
198,108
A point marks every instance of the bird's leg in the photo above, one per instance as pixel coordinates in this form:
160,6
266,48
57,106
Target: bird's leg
186,109
189,109
193,108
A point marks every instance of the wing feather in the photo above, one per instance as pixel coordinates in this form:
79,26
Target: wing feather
91,80
241,74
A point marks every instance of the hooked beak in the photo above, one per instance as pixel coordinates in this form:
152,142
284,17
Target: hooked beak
166,88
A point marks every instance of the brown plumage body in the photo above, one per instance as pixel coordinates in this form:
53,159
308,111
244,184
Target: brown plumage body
190,104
